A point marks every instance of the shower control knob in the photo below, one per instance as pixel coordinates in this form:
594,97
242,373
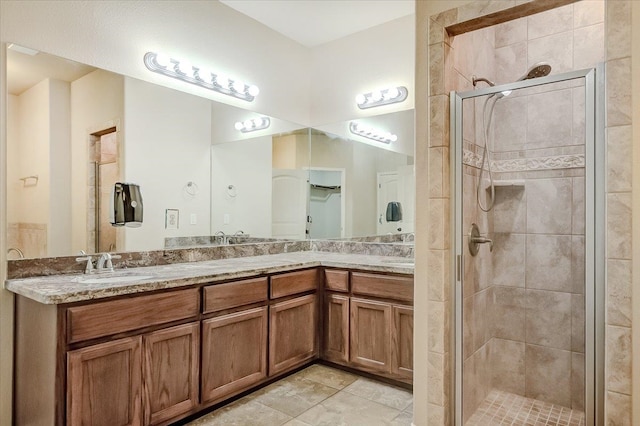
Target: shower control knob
475,239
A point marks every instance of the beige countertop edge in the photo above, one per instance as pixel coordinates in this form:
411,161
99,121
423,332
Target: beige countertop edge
62,289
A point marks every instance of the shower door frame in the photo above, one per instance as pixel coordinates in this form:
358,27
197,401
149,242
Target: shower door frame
594,233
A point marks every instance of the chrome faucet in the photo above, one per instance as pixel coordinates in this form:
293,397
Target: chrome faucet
88,269
222,237
104,262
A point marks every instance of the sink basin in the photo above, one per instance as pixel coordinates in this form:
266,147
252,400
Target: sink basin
111,279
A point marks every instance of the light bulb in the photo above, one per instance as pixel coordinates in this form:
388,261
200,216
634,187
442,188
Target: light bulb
376,96
393,137
162,60
248,124
253,90
239,125
361,99
204,74
185,67
222,80
238,86
391,93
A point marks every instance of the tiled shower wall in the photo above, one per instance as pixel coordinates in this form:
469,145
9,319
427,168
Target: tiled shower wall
440,81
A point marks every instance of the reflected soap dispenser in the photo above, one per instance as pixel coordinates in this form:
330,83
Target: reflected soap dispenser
394,211
127,205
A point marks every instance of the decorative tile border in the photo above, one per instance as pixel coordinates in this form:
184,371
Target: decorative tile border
556,162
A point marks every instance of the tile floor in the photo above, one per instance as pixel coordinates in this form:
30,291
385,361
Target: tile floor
318,395
502,408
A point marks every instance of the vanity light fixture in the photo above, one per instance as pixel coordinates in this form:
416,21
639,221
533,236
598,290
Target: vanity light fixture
200,76
253,124
380,97
371,133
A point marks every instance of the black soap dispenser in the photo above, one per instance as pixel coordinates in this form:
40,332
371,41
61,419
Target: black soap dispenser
394,211
127,205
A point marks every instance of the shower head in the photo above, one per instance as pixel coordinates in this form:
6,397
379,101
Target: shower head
541,69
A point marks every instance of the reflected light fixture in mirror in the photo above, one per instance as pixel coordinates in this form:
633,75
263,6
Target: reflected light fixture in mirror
372,133
200,76
381,97
253,124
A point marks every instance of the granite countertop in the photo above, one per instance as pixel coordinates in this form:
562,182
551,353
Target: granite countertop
60,289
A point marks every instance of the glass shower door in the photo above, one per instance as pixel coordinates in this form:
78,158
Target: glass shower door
525,225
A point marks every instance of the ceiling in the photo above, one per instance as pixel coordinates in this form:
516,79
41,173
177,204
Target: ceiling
308,22
315,22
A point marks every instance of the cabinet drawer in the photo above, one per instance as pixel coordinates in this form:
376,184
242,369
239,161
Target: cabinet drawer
336,280
385,286
293,283
237,293
106,318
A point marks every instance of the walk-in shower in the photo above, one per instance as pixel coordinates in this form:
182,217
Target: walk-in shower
528,303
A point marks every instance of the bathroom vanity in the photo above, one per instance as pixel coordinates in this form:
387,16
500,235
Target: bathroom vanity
156,344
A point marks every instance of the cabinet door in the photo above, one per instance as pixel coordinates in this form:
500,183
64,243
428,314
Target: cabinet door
104,384
171,370
336,328
293,337
402,342
234,352
371,335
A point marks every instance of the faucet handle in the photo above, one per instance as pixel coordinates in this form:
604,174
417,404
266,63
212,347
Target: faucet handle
89,267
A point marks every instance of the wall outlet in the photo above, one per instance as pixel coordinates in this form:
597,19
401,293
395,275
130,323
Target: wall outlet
193,219
226,218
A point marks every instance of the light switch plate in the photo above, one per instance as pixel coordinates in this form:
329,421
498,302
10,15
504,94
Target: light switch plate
193,219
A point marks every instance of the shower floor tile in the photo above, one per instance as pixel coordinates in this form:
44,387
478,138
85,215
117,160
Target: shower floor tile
503,408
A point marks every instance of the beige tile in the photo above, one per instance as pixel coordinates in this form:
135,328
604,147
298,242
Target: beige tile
508,313
548,320
577,323
618,359
468,327
511,32
579,117
296,422
508,259
507,362
436,172
437,33
549,262
436,69
477,9
549,119
403,419
577,207
577,264
348,409
587,13
619,158
438,381
241,413
588,46
439,120
618,76
618,29
439,223
549,203
387,395
332,377
553,21
439,320
511,62
510,210
619,289
617,409
619,225
510,135
409,408
544,366
556,50
438,415
469,200
293,395
577,381
438,273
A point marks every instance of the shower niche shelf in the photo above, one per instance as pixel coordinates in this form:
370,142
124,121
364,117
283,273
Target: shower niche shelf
507,183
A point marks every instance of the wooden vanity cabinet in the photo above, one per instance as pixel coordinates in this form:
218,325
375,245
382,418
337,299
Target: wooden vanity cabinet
293,320
234,345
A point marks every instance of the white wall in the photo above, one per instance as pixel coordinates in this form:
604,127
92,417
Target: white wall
97,103
165,147
59,229
115,35
379,57
247,166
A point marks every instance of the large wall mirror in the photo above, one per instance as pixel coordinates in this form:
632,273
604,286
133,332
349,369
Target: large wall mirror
74,130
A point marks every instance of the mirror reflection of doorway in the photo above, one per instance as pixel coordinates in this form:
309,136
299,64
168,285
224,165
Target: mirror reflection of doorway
104,172
326,203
